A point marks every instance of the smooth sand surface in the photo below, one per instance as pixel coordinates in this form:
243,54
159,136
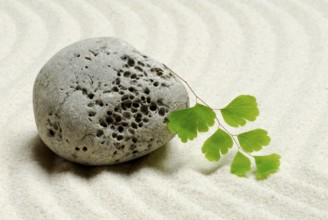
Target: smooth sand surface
275,50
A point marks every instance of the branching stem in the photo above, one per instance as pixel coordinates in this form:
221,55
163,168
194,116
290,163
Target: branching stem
214,109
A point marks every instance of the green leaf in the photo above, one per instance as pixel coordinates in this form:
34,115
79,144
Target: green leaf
242,108
187,122
240,165
217,144
253,140
266,165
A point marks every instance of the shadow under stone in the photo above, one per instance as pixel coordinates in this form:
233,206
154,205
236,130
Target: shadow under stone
54,164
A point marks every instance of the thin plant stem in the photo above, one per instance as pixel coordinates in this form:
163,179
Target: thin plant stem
217,109
197,97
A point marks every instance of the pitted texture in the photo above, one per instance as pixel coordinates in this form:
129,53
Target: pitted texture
100,101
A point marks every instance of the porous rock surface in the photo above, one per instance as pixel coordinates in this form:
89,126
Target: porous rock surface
99,101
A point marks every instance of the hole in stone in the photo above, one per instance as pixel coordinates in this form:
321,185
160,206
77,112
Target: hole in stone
115,152
124,97
140,124
134,139
99,133
134,125
115,109
120,129
131,97
115,89
153,106
114,135
165,120
143,98
148,99
139,115
131,131
155,83
119,137
117,118
145,120
103,123
147,91
77,149
159,73
161,111
138,119
134,110
141,63
109,113
119,146
124,124
126,74
99,102
138,68
51,133
87,58
124,57
109,120
90,104
131,89
131,62
135,151
94,53
133,76
84,148
84,91
135,104
126,104
90,96
86,67
144,109
91,114
160,101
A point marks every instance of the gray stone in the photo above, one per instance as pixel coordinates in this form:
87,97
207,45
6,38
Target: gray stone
100,101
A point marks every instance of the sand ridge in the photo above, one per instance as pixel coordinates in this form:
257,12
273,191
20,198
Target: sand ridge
274,50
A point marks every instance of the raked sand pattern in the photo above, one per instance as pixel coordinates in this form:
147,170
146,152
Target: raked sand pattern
275,50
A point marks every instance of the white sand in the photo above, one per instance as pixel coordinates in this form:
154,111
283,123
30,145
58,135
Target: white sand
276,50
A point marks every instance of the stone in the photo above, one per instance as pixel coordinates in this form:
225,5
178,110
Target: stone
100,101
